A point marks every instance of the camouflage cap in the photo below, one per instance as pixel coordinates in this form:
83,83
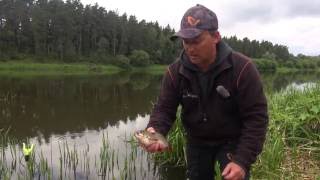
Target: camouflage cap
197,19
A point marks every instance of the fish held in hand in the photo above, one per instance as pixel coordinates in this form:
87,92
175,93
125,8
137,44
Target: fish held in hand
146,138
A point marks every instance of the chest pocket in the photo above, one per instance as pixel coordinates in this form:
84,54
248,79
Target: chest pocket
190,101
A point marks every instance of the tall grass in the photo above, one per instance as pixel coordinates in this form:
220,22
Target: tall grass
293,134
177,153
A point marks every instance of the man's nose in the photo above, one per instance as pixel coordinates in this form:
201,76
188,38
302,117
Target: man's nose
190,49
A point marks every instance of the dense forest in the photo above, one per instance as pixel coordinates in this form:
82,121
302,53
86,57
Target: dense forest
68,31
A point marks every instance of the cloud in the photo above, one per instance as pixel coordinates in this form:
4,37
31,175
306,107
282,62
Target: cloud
298,34
302,8
269,11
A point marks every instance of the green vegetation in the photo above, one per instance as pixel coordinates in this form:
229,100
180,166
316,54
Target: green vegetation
23,68
298,64
176,137
26,69
292,149
139,58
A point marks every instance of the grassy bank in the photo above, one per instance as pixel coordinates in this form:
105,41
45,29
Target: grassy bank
30,68
294,70
292,149
35,69
152,69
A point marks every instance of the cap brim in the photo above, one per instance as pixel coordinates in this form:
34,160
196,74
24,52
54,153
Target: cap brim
188,33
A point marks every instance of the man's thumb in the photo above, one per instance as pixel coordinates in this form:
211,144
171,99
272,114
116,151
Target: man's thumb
226,170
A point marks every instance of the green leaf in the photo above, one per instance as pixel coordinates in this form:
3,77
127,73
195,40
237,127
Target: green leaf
315,109
303,116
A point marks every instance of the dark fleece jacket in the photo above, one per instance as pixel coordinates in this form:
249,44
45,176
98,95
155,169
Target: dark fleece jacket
225,104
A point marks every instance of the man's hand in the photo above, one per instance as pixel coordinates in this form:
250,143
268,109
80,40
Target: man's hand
233,172
155,147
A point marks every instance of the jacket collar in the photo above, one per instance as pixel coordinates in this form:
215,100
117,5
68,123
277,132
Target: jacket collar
188,69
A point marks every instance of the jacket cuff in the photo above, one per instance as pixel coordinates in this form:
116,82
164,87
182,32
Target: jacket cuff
242,163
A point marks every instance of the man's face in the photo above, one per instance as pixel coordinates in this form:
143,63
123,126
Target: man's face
202,49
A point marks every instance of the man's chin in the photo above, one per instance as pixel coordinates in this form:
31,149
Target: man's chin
195,60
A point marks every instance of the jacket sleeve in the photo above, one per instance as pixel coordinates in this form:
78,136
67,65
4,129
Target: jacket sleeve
164,111
253,112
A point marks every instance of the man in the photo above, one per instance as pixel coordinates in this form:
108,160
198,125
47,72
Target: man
224,109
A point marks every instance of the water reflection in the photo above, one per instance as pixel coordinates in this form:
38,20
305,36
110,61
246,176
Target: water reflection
72,104
274,82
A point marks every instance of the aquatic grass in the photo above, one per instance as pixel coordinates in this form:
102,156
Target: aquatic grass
218,173
44,169
68,160
7,166
176,137
104,157
85,161
73,162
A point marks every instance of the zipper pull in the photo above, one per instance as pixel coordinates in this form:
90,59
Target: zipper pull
205,119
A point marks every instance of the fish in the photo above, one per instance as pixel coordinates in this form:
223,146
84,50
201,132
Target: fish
146,138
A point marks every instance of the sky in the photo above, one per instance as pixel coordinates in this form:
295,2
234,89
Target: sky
294,23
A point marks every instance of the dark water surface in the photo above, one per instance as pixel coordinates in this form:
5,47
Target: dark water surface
68,117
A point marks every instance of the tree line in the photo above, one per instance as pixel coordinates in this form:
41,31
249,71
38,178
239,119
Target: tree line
68,31
257,49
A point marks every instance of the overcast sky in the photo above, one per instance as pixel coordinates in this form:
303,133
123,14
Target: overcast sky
294,23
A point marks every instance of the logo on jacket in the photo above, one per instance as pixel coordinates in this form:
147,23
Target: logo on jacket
189,95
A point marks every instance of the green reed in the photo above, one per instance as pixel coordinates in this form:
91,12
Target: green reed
110,163
176,137
217,171
45,171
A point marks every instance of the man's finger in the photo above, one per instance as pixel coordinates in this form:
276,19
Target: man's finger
231,175
153,147
226,170
151,130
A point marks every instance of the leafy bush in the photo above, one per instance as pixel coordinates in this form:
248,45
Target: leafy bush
122,61
266,64
139,58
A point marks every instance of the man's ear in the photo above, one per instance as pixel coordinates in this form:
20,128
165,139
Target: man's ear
217,37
